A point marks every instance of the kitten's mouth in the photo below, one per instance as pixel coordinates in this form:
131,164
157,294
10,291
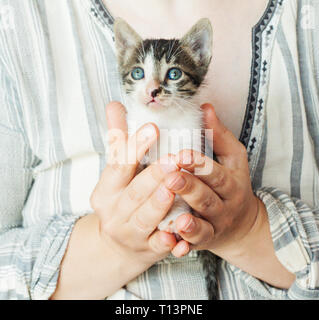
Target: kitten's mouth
154,103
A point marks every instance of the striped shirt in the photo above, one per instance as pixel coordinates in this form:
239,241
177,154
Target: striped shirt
57,72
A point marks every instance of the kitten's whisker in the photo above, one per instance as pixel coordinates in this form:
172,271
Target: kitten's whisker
171,48
177,53
186,102
204,85
180,102
141,54
183,96
143,49
178,105
155,47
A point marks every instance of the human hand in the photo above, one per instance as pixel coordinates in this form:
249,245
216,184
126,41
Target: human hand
130,207
223,198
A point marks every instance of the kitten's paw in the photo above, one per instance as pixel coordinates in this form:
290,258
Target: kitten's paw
168,223
179,207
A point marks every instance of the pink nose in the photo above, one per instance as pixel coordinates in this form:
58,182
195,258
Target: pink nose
153,88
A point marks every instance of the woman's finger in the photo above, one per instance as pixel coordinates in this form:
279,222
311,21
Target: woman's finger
140,142
116,117
124,158
195,230
117,131
229,151
162,243
148,216
209,171
196,193
181,249
141,188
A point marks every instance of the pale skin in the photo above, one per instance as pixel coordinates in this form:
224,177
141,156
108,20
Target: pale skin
233,222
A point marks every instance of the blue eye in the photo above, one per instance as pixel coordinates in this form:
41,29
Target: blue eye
137,73
175,74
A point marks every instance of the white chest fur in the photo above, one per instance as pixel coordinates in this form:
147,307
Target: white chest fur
179,129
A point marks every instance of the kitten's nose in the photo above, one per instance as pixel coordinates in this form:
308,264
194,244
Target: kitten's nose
153,88
155,92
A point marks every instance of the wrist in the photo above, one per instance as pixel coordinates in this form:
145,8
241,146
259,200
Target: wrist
255,254
248,230
252,238
126,265
91,268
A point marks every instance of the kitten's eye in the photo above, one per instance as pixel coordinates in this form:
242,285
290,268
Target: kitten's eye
174,74
137,73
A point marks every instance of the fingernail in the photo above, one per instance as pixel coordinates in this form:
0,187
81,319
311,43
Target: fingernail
148,132
181,250
168,165
162,194
187,158
189,225
176,183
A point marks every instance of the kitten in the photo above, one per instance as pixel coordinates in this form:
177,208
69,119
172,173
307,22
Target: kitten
161,80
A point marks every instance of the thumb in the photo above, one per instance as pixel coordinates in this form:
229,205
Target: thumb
226,146
116,117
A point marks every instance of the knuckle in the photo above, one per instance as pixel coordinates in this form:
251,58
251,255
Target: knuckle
115,232
112,137
108,229
117,167
219,180
155,172
206,203
206,238
242,150
115,138
142,224
155,247
224,131
134,194
240,199
95,202
158,247
160,206
113,155
190,184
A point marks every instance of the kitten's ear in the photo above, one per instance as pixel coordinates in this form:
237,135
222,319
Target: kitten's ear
199,39
126,39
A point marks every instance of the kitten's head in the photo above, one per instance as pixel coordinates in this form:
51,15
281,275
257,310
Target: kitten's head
162,73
